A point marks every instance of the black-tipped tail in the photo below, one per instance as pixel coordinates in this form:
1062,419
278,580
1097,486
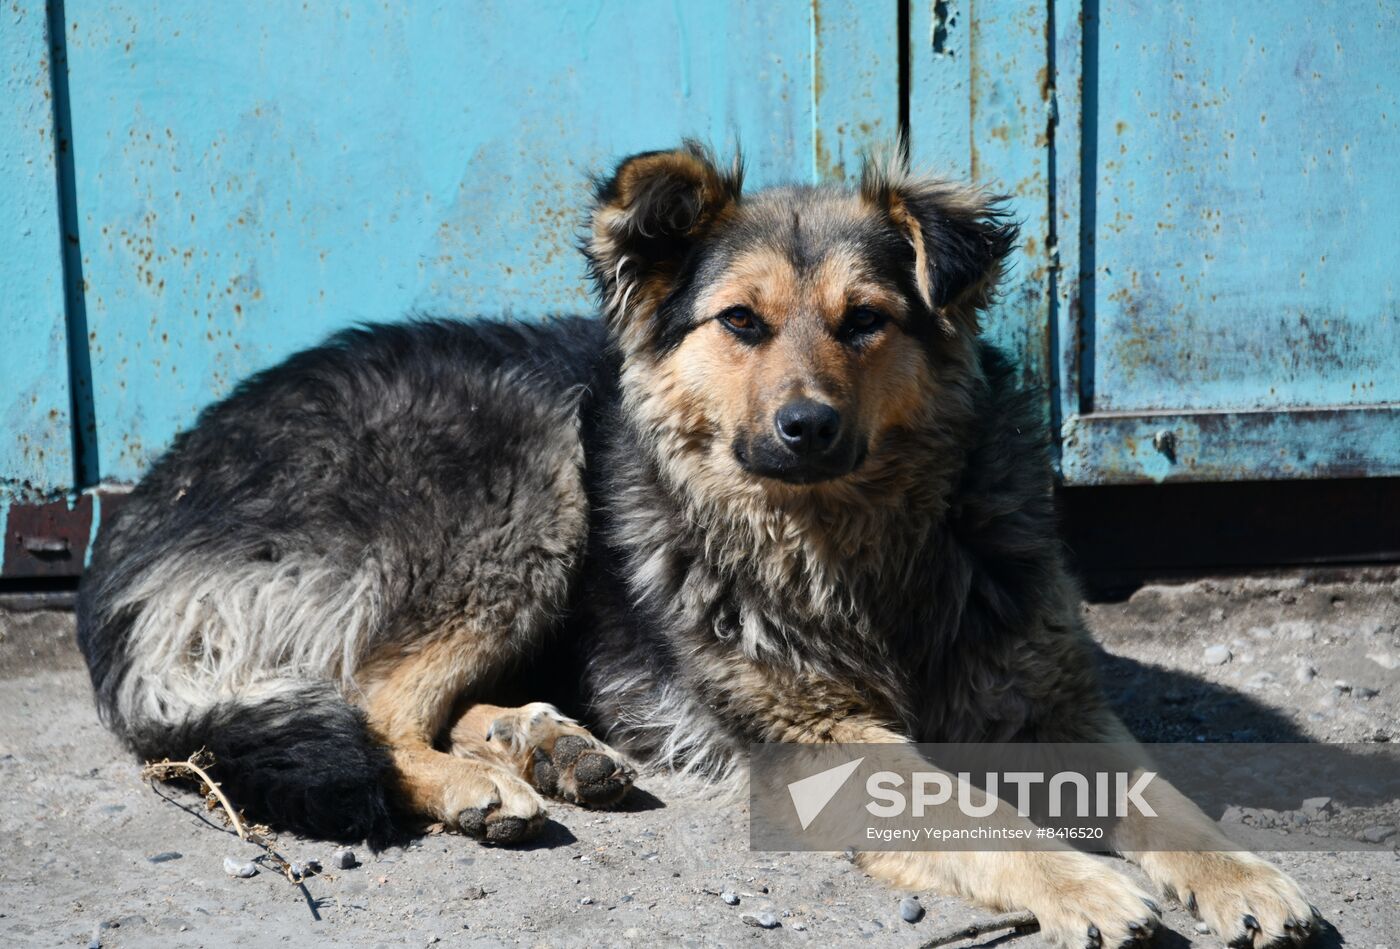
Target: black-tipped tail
302,761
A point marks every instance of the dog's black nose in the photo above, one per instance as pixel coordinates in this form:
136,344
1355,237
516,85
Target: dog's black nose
808,427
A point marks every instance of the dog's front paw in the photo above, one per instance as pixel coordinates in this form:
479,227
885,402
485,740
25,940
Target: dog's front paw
491,804
582,770
559,757
1091,906
1248,902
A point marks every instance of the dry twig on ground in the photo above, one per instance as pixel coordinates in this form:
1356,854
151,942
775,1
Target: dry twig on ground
196,767
1017,921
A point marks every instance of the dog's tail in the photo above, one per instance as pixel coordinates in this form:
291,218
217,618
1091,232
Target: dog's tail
289,752
301,760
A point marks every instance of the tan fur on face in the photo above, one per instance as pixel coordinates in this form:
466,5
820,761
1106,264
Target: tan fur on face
724,388
694,401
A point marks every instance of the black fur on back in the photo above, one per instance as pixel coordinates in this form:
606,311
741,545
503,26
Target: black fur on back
379,447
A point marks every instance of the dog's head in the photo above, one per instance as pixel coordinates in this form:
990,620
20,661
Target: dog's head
785,340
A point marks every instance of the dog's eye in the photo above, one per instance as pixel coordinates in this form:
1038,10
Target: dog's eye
864,320
742,322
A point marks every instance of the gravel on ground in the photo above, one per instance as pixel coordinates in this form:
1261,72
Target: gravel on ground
92,855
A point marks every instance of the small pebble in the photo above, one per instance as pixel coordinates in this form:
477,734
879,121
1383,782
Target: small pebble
1305,674
763,920
730,897
1298,631
344,860
585,901
1216,655
1202,928
239,868
1361,692
1376,834
473,893
910,909
1384,659
165,856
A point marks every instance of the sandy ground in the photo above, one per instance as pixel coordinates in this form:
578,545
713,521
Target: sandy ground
79,829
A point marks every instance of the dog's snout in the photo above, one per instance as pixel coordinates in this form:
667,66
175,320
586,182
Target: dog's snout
808,427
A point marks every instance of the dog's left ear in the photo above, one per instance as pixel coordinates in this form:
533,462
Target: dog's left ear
646,219
961,238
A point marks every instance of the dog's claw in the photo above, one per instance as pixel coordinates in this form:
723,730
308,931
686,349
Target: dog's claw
1095,937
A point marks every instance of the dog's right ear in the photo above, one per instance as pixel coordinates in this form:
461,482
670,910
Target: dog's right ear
646,220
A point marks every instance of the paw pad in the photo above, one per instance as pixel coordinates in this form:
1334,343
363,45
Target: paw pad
493,827
581,772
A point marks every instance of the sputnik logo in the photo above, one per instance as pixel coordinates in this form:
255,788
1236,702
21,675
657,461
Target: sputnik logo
811,794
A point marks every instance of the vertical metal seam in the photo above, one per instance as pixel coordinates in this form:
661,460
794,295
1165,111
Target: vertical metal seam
814,49
1052,236
83,415
906,68
1088,201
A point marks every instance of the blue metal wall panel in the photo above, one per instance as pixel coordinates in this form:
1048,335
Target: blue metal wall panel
1228,311
1248,230
1206,286
979,110
35,440
855,84
251,176
1207,282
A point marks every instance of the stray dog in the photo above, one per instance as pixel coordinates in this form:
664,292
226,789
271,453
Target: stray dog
780,492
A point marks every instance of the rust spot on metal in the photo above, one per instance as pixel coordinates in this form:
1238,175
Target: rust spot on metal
47,539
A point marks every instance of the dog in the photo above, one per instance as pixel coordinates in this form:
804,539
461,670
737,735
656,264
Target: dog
780,491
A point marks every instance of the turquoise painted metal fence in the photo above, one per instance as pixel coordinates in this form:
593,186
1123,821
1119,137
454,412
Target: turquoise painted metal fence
1206,288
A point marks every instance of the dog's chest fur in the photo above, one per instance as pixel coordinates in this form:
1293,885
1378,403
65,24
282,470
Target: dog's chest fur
938,618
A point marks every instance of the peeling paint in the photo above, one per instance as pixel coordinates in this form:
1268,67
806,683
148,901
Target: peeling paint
235,213
35,436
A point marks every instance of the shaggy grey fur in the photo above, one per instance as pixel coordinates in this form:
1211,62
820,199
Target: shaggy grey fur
400,478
